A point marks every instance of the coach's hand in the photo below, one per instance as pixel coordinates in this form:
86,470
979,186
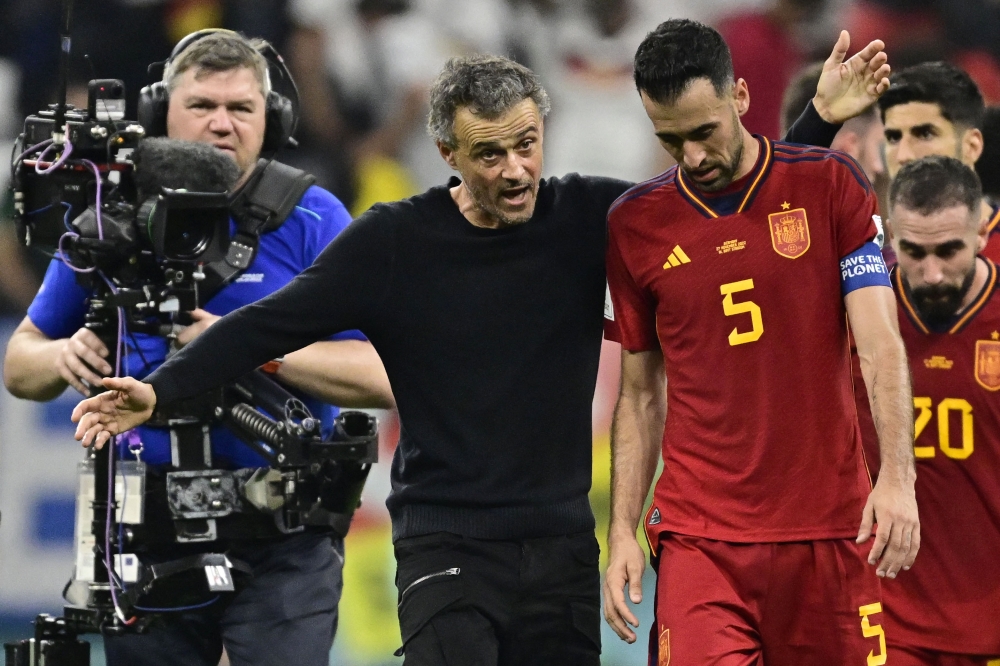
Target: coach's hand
127,404
845,89
893,506
80,360
626,564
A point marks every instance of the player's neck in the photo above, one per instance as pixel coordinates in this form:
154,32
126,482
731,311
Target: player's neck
751,151
978,282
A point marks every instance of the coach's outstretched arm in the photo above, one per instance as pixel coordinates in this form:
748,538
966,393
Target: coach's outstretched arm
355,266
892,503
845,89
636,439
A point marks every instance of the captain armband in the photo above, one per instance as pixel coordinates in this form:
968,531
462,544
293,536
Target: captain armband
862,268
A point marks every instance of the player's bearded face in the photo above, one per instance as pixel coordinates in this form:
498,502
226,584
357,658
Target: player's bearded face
500,161
701,130
937,257
939,303
718,170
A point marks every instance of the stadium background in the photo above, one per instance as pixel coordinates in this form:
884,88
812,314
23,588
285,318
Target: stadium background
362,66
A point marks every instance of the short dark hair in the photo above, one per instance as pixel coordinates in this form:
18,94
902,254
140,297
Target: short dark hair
488,85
941,83
988,164
678,52
934,183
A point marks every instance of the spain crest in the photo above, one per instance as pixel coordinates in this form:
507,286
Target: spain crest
988,364
789,232
663,650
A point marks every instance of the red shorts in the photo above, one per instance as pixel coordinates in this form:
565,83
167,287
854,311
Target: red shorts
914,656
766,604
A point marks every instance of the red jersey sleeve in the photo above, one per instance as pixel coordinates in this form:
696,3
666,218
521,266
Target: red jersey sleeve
629,310
856,219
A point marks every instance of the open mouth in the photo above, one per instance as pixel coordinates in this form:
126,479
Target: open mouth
706,175
516,196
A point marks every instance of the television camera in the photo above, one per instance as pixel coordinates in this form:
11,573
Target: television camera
144,223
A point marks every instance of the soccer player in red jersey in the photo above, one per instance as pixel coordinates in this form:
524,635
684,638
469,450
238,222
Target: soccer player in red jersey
935,108
730,280
946,611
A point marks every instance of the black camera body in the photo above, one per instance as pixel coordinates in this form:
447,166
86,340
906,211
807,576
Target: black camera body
141,221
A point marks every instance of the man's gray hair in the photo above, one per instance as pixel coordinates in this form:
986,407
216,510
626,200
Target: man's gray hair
220,52
488,85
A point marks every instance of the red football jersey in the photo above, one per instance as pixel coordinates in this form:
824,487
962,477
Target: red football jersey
992,249
742,292
950,599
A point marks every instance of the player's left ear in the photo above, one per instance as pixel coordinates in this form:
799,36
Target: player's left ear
741,96
983,235
972,146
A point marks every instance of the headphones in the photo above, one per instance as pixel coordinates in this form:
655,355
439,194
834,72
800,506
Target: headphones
281,112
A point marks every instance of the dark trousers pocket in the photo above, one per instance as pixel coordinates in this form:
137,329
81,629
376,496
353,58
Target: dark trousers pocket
440,628
454,637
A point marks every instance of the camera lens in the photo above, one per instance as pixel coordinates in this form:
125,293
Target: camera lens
188,233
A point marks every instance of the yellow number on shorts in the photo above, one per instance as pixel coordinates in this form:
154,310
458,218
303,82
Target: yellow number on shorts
731,309
869,630
944,409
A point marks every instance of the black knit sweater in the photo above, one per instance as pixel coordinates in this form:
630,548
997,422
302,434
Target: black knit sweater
491,341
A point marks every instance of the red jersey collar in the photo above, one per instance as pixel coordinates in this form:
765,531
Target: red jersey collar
962,319
705,204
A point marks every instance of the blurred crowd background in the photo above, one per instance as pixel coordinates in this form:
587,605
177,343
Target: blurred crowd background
363,68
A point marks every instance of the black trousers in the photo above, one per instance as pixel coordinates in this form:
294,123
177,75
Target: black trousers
475,602
286,614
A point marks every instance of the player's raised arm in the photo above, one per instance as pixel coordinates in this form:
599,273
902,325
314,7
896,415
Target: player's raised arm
892,503
636,436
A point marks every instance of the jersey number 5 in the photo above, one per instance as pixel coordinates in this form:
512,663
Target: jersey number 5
746,307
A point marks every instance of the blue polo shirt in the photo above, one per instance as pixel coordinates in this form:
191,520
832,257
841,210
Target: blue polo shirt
60,306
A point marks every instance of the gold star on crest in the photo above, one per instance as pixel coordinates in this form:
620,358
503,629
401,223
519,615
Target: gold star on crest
995,335
785,206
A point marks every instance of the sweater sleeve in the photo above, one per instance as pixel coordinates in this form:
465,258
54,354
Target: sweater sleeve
811,129
340,291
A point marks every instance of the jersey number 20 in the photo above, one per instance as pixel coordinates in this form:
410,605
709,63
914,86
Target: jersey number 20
944,409
745,307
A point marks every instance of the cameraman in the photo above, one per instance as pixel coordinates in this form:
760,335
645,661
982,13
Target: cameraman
218,86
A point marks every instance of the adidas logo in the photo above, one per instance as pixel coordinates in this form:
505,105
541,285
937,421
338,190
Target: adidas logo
676,258
655,518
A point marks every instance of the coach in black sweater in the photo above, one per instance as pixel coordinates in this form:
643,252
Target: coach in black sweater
484,299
